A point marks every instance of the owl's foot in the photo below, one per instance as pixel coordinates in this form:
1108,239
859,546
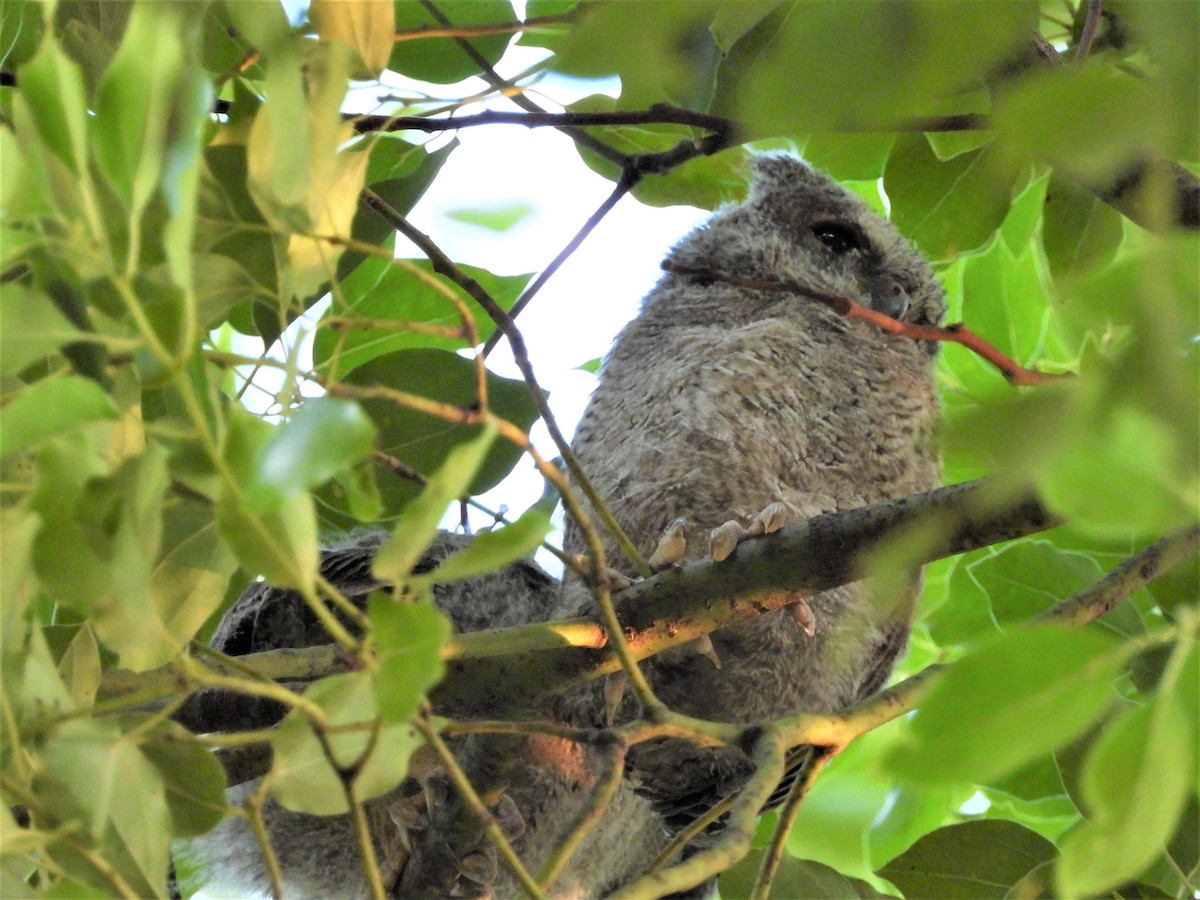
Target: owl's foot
476,869
671,546
723,539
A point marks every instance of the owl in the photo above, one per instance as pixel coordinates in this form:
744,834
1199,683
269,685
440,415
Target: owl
717,402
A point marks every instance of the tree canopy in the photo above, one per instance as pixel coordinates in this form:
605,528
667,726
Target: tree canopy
181,181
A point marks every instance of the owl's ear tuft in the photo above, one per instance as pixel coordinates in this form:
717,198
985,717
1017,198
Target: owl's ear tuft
779,172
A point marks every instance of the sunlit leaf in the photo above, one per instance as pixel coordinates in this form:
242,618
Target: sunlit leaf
1013,697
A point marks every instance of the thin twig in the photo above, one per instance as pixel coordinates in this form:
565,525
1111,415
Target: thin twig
1132,574
787,816
1091,24
1013,372
466,31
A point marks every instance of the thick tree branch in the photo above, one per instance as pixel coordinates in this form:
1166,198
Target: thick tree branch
492,673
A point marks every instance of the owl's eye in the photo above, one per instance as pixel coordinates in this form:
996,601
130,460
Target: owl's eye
840,237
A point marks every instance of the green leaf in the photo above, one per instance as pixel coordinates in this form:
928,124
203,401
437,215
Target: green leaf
51,407
383,291
280,544
1136,781
441,60
194,780
94,774
1087,121
794,878
418,524
192,573
995,588
850,157
33,328
422,441
950,206
53,95
303,778
622,39
365,25
21,28
144,128
490,550
323,436
775,79
409,639
1081,232
1011,699
981,859
494,218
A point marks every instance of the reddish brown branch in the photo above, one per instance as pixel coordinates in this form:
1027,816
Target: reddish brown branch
958,333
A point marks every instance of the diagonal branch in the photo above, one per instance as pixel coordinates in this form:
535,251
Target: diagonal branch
958,333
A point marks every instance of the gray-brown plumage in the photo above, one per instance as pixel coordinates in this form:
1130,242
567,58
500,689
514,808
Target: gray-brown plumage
715,402
718,400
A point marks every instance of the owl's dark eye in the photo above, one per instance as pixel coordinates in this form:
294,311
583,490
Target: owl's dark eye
840,237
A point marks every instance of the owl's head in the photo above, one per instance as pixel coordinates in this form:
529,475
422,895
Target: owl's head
800,224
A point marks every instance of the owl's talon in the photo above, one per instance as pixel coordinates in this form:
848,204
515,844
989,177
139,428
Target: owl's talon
509,818
614,692
671,546
703,645
804,617
724,538
770,520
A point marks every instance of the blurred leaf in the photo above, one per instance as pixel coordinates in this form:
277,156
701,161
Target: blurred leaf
194,780
147,120
490,550
383,291
795,878
775,79
33,329
54,96
1088,121
396,557
21,28
946,207
322,436
1081,232
1136,781
366,25
280,544
1166,33
493,218
423,442
441,59
193,571
304,780
1015,696
50,407
94,774
409,639
974,859
663,51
